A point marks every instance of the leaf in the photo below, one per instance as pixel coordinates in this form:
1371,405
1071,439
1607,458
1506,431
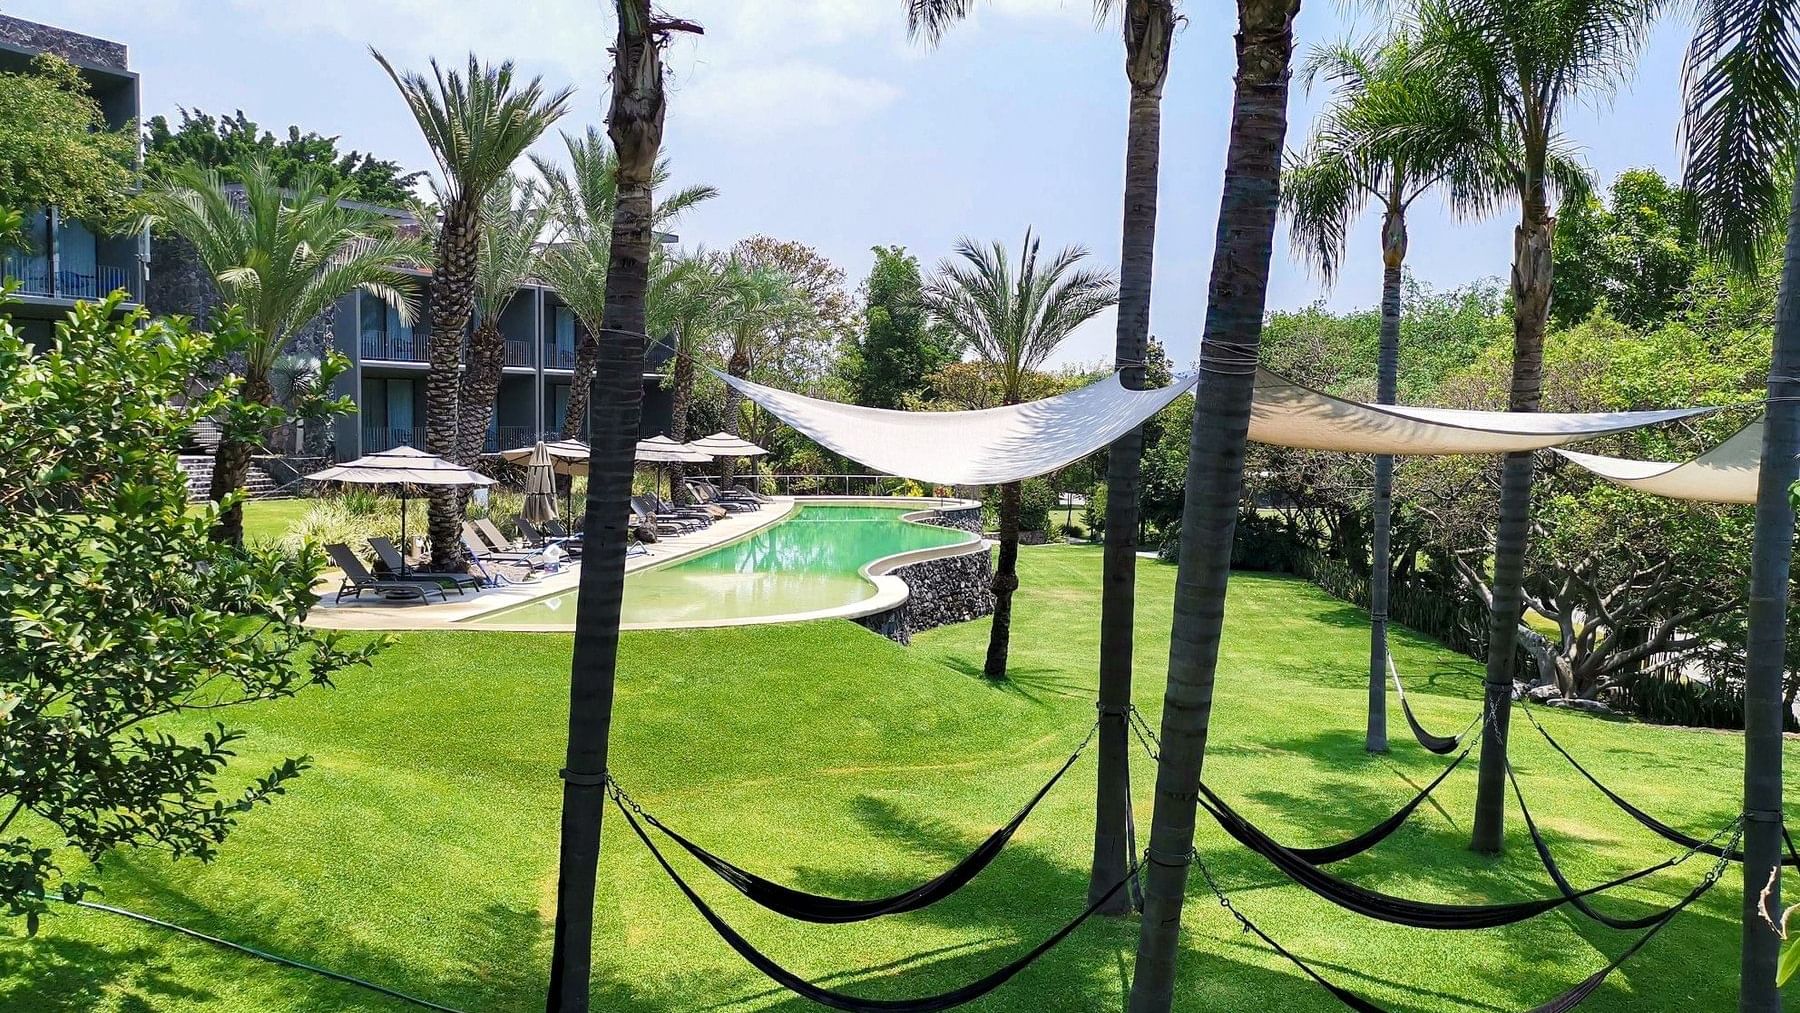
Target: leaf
1790,962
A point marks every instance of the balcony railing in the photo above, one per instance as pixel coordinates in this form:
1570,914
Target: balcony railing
34,277
518,353
558,358
395,347
379,438
508,437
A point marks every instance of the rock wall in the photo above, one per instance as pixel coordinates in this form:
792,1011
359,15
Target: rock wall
950,589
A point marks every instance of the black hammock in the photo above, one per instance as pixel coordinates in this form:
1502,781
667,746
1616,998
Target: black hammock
1379,832
1386,907
1439,744
838,1000
811,907
1650,822
1574,896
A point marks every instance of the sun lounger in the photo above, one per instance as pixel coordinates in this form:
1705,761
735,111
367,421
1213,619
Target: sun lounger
707,496
487,533
482,553
649,511
358,579
388,556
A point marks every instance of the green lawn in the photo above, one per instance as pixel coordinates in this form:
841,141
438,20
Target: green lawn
420,851
266,520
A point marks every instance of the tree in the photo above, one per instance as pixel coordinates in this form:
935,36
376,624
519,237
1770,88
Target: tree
685,301
1519,63
1634,254
56,148
90,429
1228,354
1391,134
1013,319
583,200
635,124
513,219
756,302
1742,92
280,256
225,142
896,350
1148,27
477,125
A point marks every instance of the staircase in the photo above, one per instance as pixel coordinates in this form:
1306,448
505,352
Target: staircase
199,468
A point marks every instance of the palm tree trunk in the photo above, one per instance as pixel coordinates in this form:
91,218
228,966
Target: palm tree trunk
1531,312
1765,657
738,366
480,388
614,412
581,381
1387,382
1006,581
1215,476
679,400
452,300
231,464
1148,25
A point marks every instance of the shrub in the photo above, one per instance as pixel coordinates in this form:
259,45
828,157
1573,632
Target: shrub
1094,514
1036,500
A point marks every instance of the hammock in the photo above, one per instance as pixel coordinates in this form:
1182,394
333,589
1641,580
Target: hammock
1562,883
1439,744
838,1000
1380,831
1386,907
1650,822
809,907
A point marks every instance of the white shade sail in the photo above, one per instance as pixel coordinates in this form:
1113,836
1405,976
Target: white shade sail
1728,473
1008,444
401,466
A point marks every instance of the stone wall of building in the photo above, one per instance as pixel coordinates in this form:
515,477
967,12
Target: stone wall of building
72,46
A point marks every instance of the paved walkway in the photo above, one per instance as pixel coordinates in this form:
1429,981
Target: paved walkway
371,613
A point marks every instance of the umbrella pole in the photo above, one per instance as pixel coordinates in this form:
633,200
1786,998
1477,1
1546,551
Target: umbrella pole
405,545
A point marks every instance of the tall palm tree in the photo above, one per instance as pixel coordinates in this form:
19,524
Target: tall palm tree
1013,318
282,257
477,124
754,302
1519,63
1391,133
1229,349
1149,30
686,303
583,198
635,124
513,219
1742,87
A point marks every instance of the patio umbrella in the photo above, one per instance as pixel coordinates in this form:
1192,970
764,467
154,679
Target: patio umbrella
404,467
727,445
567,457
540,486
662,450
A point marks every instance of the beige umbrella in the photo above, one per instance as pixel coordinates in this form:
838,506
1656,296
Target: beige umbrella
662,450
404,467
727,445
567,457
540,486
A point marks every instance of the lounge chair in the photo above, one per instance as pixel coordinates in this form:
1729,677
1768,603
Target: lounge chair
538,537
729,496
388,558
479,550
649,510
487,533
707,496
706,513
358,579
554,528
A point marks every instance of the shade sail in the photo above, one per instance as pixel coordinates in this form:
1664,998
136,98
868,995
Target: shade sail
1728,473
1009,444
401,466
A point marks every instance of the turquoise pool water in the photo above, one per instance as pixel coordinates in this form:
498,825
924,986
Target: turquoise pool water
808,561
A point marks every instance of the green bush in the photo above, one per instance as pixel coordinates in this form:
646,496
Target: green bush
1036,500
1094,514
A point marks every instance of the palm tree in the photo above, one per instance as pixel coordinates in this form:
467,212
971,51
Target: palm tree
1229,349
635,124
583,199
1519,63
1149,30
281,257
686,303
477,126
513,219
754,302
1391,134
1013,320
1742,92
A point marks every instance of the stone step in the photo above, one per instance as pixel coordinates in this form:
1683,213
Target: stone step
199,470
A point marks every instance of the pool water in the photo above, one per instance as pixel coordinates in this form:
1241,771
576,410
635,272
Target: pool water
808,561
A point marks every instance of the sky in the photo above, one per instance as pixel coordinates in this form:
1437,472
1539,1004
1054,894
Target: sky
819,121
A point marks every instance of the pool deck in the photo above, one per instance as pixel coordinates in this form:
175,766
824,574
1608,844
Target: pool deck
376,614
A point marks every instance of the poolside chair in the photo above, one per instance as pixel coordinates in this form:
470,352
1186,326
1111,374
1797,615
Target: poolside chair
488,534
707,496
388,559
643,513
706,512
358,579
554,528
479,551
534,534
730,496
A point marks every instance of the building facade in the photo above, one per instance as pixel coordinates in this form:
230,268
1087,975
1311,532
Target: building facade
67,260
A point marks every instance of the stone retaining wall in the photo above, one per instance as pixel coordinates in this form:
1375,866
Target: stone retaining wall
949,589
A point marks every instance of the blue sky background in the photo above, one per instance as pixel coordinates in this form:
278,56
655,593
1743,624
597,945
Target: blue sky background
819,121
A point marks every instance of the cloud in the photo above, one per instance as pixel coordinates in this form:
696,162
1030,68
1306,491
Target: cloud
775,98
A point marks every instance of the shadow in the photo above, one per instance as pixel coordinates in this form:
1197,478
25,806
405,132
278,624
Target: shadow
1030,683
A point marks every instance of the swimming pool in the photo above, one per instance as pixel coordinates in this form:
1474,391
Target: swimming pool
811,561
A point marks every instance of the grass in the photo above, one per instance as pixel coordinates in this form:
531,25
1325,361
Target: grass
420,850
266,520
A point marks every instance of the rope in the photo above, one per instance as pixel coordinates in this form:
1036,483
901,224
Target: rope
1439,744
270,957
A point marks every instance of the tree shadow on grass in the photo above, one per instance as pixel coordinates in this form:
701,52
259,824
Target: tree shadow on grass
49,973
1036,685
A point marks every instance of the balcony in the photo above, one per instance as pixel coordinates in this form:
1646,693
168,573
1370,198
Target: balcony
508,437
379,438
518,353
34,277
389,346
558,358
